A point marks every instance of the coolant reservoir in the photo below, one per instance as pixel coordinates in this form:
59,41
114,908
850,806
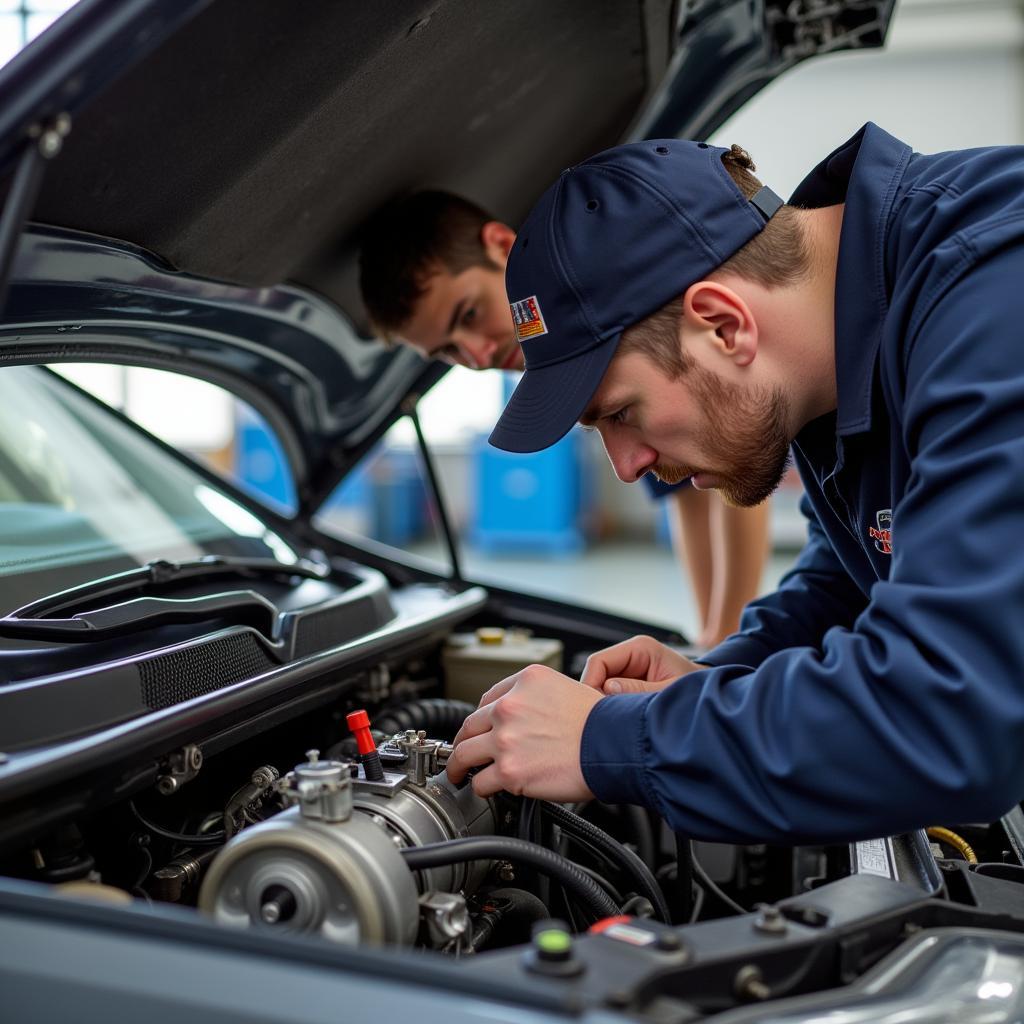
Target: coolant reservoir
474,662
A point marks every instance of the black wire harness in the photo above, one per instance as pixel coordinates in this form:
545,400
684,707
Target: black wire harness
458,851
205,839
623,857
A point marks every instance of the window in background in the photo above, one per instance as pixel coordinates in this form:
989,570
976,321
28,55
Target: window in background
204,420
386,499
22,20
463,405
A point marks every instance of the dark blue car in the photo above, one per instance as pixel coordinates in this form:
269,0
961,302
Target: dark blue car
224,728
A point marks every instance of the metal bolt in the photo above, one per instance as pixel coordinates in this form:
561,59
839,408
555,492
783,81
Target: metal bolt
167,785
749,984
195,758
769,920
50,143
265,776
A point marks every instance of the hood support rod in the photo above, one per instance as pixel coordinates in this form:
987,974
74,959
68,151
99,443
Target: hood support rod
44,143
409,408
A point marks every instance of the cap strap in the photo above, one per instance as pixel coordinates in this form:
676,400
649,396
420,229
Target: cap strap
766,202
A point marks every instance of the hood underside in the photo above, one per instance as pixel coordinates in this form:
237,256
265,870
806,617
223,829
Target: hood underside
254,142
246,142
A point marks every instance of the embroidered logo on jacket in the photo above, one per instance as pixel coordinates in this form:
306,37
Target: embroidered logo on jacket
528,318
882,534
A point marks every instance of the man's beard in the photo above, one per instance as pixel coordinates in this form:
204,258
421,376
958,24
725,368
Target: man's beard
743,440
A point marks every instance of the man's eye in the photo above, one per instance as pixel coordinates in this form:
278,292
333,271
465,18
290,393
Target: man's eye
468,316
619,416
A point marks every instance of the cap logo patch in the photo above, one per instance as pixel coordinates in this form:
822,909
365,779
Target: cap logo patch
528,319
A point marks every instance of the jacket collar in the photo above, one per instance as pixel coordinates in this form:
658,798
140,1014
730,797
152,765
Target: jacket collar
865,173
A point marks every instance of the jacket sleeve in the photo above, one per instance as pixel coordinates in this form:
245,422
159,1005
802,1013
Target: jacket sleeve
914,714
815,595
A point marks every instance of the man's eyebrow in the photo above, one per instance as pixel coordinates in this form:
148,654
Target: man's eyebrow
592,414
455,317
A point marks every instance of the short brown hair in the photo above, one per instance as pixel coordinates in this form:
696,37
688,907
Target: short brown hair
407,241
776,256
657,337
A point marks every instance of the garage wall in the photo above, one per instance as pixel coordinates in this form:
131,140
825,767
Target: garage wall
951,76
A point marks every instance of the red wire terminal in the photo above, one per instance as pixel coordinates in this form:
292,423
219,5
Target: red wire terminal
359,723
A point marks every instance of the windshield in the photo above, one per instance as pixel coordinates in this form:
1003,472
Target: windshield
83,494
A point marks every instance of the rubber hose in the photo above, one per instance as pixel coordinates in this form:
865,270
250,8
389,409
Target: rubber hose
525,910
614,850
643,834
440,718
458,851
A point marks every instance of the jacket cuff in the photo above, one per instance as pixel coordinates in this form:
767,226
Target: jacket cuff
613,749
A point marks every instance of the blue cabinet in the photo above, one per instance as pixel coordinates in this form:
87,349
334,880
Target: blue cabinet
529,503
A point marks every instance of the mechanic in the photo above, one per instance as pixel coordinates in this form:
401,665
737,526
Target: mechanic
874,324
432,271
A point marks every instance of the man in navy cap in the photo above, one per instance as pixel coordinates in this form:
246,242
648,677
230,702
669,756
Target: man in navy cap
432,276
704,329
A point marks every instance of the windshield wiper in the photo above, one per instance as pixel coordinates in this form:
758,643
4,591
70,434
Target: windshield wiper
240,607
162,573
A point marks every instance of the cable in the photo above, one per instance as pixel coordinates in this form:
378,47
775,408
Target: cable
147,864
458,851
621,856
604,883
526,815
698,906
210,839
639,825
944,835
684,888
705,882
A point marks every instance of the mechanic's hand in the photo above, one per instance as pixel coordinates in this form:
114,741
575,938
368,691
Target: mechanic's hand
527,730
637,665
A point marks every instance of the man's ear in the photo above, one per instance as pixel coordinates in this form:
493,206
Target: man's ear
724,318
497,239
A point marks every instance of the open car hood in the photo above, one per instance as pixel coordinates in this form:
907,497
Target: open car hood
244,142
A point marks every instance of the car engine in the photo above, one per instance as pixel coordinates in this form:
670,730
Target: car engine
336,825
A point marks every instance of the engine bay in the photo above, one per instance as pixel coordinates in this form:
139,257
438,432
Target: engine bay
336,824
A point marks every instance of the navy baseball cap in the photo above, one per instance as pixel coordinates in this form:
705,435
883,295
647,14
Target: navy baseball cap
610,242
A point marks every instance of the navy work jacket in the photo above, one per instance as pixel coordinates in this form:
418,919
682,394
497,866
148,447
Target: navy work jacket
881,687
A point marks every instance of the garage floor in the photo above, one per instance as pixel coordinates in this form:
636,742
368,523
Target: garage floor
639,580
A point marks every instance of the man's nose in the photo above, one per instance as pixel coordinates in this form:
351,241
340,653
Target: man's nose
629,458
477,350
